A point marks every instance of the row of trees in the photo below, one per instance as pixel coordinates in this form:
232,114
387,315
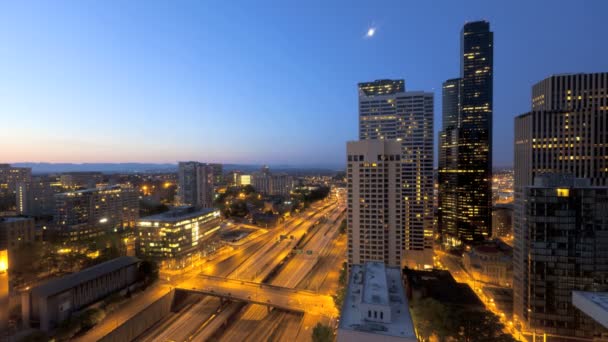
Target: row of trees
453,323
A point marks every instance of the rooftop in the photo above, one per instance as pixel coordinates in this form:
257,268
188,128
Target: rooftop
369,284
593,304
179,213
14,218
62,284
441,286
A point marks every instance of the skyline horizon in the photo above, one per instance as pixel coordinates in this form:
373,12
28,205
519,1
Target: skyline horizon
155,92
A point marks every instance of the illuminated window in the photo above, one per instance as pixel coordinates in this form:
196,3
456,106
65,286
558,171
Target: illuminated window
563,192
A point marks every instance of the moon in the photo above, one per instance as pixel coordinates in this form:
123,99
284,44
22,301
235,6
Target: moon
370,32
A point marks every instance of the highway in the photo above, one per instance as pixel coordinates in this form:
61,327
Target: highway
281,297
252,261
254,320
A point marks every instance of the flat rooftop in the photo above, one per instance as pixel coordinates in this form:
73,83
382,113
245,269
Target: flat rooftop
178,214
70,281
369,284
593,304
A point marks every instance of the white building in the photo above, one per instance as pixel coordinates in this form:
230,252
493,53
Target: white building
375,227
375,307
387,111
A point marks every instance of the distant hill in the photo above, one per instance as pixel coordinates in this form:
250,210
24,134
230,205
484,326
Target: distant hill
44,168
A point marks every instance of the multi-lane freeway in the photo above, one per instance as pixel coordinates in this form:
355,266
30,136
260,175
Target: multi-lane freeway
254,261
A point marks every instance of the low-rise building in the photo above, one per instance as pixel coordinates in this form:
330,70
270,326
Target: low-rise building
375,307
173,238
47,305
14,231
490,264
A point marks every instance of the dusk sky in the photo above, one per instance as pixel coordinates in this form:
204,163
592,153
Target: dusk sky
256,82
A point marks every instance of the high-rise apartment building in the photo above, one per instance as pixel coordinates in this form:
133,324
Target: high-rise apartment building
88,213
465,146
375,202
37,198
195,184
388,112
10,176
567,244
564,134
218,174
271,184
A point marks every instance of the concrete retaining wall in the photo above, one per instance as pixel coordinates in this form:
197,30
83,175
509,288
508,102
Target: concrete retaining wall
130,329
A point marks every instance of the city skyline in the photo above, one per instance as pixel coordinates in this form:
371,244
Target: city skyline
145,79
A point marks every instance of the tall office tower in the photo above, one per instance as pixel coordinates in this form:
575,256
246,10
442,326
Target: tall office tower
567,226
88,213
375,221
195,184
387,111
10,176
564,134
447,218
465,151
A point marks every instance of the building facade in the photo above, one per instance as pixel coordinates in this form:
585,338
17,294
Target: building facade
46,306
268,183
490,264
388,112
84,214
195,184
78,180
174,237
37,198
564,134
567,240
375,222
10,176
465,146
15,231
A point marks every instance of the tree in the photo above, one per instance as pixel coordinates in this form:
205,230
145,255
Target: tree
478,325
431,318
322,333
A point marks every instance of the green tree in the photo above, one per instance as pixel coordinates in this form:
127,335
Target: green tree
431,318
322,333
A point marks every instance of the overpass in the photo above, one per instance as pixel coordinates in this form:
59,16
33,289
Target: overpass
263,294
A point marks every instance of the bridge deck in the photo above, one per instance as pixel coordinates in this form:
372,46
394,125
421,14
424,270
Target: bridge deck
275,296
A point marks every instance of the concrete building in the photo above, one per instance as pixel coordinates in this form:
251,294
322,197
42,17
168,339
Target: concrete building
10,176
490,264
375,307
268,183
37,198
88,213
563,134
15,231
375,226
465,143
567,240
174,238
47,305
388,112
76,180
218,174
244,180
195,184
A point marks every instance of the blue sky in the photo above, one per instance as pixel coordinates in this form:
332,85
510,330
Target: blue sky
256,81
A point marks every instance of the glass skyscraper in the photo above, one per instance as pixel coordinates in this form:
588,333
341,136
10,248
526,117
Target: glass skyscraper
465,155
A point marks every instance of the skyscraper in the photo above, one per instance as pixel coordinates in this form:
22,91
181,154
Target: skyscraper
465,151
388,112
375,227
567,240
195,184
564,134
